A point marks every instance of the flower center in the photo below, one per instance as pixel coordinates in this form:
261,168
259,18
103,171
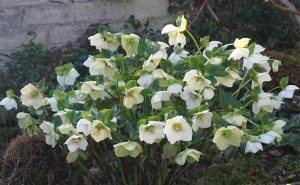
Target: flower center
177,127
150,129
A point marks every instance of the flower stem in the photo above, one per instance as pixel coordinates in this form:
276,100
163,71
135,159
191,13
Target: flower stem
236,93
193,38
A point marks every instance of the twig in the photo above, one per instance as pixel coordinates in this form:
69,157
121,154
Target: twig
290,10
198,13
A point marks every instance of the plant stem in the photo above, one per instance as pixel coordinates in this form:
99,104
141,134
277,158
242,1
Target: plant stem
193,38
236,93
274,88
122,171
252,122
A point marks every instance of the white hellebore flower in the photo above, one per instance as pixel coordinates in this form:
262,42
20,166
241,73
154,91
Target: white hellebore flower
130,148
109,41
95,91
175,88
288,92
76,142
195,80
161,74
208,92
31,96
240,50
67,129
102,66
268,137
84,126
68,78
255,58
133,97
202,120
261,78
212,45
156,100
224,137
275,65
178,129
235,119
100,131
130,44
177,55
77,97
153,61
145,80
9,103
151,132
48,129
192,98
263,103
189,155
229,80
253,147
53,104
175,33
89,61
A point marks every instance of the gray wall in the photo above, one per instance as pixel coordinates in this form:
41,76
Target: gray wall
58,22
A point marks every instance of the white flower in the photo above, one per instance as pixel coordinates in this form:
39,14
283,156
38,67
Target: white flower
130,148
158,98
77,97
100,42
264,102
99,131
160,74
288,92
191,98
175,35
53,104
224,137
240,51
67,129
95,91
69,78
276,101
121,83
195,80
261,78
214,61
84,126
9,103
177,55
133,97
89,61
153,61
64,116
254,59
208,92
178,129
48,129
229,80
103,66
31,96
277,127
212,45
152,132
175,88
145,80
275,65
130,44
268,137
76,142
202,120
189,155
253,147
235,119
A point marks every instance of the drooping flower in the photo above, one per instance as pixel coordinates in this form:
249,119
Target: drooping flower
212,44
103,66
76,142
67,129
77,97
225,137
161,74
9,103
275,65
255,57
208,92
84,126
253,147
288,92
229,80
51,136
192,98
178,129
53,104
107,41
235,118
24,120
189,155
145,80
175,33
156,100
31,96
240,50
195,80
130,148
95,91
66,74
130,44
100,131
202,120
261,78
268,137
153,61
152,132
263,103
175,88
133,97
177,55
89,61
64,115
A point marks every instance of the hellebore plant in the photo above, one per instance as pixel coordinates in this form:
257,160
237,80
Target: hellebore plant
148,110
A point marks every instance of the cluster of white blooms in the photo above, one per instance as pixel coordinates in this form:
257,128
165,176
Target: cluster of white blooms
143,91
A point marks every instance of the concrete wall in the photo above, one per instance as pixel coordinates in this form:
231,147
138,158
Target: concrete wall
58,22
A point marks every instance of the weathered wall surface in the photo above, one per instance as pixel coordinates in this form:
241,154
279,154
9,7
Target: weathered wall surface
58,22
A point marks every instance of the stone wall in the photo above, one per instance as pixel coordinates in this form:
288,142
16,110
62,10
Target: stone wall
58,22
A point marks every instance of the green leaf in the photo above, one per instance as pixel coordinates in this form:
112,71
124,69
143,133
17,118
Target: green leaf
64,69
171,150
251,48
228,102
284,82
166,83
215,70
219,121
205,41
9,93
72,156
196,62
139,73
130,84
